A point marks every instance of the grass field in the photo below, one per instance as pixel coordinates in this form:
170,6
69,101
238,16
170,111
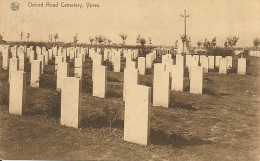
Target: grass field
221,124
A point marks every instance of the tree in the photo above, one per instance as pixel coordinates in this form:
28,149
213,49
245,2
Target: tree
76,38
232,41
1,38
176,43
183,39
91,40
109,41
199,43
56,36
21,36
150,40
214,42
188,43
101,39
50,37
111,114
210,45
96,40
123,36
140,40
256,42
28,36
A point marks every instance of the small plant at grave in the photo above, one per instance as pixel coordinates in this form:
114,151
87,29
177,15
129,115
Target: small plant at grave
149,71
111,114
109,65
87,84
230,70
51,105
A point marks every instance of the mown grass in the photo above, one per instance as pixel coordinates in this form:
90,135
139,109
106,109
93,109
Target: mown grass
221,124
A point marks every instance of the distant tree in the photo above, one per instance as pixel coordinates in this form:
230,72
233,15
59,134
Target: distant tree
50,37
140,40
21,35
214,42
188,43
210,45
111,114
176,43
56,36
109,41
256,42
1,38
101,39
28,36
226,44
91,40
76,38
232,41
199,43
150,40
96,40
183,39
124,37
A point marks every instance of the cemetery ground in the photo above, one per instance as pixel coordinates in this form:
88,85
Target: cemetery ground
220,124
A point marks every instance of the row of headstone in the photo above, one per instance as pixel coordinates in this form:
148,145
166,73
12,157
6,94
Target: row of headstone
254,53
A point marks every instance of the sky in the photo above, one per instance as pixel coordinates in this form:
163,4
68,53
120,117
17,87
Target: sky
158,19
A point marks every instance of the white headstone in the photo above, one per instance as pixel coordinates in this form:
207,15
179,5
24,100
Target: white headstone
21,56
148,61
229,61
17,93
130,79
204,61
217,61
241,66
196,80
78,68
177,75
62,72
58,59
100,81
223,66
35,73
141,65
71,102
161,86
211,62
137,115
13,66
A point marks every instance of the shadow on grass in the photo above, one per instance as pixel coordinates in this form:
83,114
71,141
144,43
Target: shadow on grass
183,106
159,137
209,92
100,122
186,89
207,79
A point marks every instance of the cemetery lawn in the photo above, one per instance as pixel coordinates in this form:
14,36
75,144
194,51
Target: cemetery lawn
221,124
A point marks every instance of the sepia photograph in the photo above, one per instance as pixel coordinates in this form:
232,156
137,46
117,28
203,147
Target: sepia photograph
130,80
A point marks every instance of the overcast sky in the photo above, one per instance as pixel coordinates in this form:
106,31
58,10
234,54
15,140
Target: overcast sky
159,19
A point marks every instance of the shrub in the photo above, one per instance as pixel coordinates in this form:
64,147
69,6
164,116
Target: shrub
52,104
109,65
220,52
87,84
149,71
231,70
